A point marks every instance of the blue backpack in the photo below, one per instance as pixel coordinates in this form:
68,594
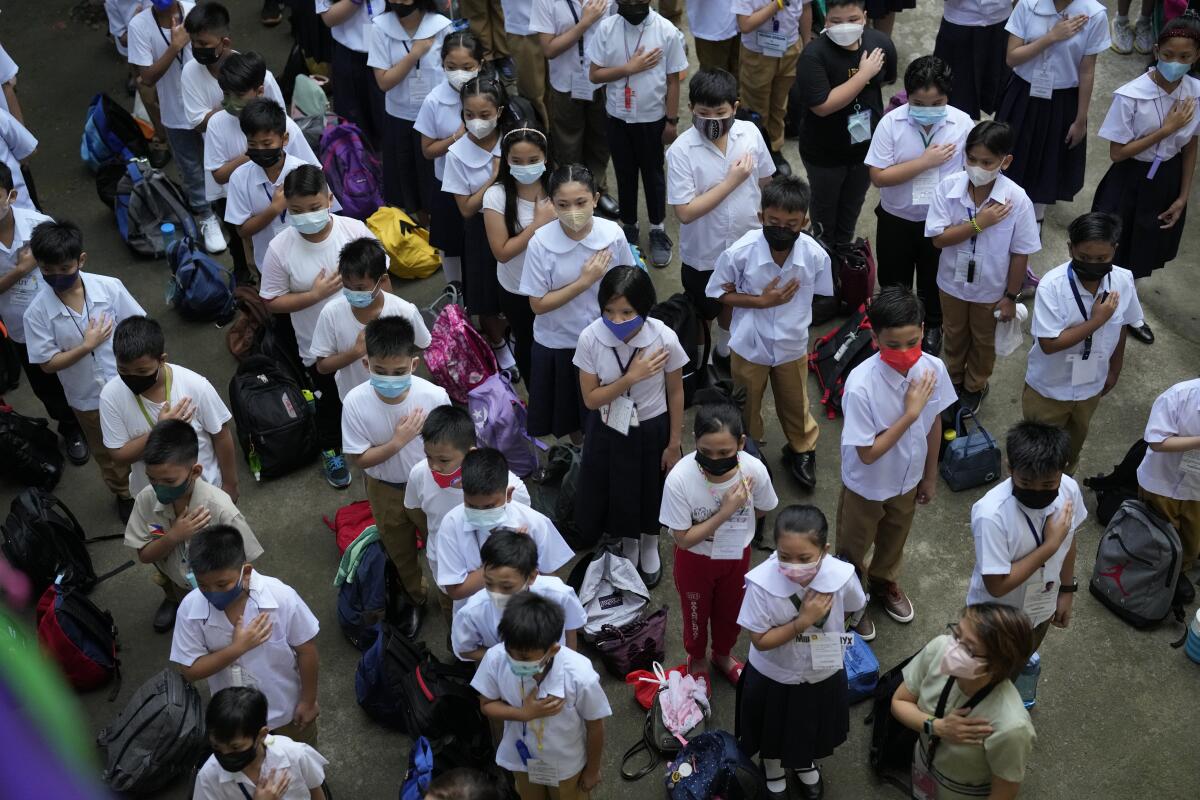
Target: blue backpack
718,769
110,135
420,770
862,670
363,602
201,289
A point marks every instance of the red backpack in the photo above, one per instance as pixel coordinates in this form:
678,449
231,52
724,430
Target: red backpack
349,522
836,354
80,636
458,357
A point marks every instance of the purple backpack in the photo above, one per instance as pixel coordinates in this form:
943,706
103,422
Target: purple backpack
499,417
352,170
458,357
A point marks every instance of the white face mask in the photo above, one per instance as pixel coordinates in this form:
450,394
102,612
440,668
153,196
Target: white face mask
846,33
480,128
980,176
499,600
458,77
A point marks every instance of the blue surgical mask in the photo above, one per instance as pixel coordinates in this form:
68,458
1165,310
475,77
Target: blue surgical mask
623,330
312,222
926,115
390,386
1172,70
222,600
360,299
527,173
485,519
524,669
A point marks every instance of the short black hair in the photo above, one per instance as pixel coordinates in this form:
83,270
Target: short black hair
262,115
803,519
449,425
484,471
788,193
996,137
895,306
56,242
138,336
236,712
171,441
835,3
363,257
242,72
572,173
1095,226
390,336
531,622
208,17
716,417
633,284
927,71
6,178
510,549
305,180
463,783
216,548
712,86
1035,449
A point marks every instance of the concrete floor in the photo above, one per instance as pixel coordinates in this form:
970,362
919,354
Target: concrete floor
1117,706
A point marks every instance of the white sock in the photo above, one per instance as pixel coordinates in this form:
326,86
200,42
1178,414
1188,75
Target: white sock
1122,19
657,227
722,344
1039,212
504,355
809,776
649,552
630,549
452,266
776,777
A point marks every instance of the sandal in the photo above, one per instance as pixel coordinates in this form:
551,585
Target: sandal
734,673
702,674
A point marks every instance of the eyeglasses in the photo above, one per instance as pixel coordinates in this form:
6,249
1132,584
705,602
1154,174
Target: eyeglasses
952,629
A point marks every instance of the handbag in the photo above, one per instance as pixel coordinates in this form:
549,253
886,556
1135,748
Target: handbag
971,458
634,645
657,739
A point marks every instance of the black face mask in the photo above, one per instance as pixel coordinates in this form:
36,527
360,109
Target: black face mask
716,466
1090,270
265,156
1036,499
401,10
205,56
236,762
634,13
139,384
780,238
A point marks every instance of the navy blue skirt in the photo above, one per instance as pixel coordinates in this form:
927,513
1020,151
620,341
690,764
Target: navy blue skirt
976,55
797,723
1042,163
480,282
1137,200
446,224
555,401
623,473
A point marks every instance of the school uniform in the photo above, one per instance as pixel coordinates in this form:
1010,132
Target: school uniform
1170,482
1128,189
202,94
304,765
337,331
636,107
513,304
878,500
16,145
623,469
973,41
8,74
772,343
767,64
476,625
486,19
1063,389
248,193
788,707
356,95
714,29
967,294
709,575
694,166
468,169
440,117
526,52
119,12
1042,98
554,260
901,247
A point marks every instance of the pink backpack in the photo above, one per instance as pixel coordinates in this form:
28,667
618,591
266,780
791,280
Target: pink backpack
458,357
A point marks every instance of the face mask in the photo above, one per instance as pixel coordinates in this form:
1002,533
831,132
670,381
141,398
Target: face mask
356,299
623,330
162,5
901,360
1036,499
634,13
500,599
716,466
265,156
222,600
169,494
480,128
926,115
845,34
205,56
390,386
1090,270
233,105
139,384
458,77
312,222
1172,70
402,11
236,761
575,220
527,173
712,128
958,663
60,283
446,480
800,573
485,519
780,238
524,669
978,176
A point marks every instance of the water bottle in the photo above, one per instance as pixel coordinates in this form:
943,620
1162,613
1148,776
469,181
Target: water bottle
1027,681
167,231
1192,647
948,436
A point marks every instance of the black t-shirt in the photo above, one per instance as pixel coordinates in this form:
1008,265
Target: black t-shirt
824,66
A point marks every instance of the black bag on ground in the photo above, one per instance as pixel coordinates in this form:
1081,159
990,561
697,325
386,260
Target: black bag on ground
1119,485
679,314
275,424
30,450
1137,568
836,354
892,744
147,198
564,503
43,539
10,364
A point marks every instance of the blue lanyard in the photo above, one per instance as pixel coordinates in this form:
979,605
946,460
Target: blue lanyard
1087,343
1033,531
271,199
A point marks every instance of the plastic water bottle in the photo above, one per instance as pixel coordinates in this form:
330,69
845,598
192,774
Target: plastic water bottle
948,436
1192,646
1028,679
167,230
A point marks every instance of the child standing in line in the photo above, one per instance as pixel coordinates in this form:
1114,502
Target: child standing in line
1169,475
972,40
356,95
714,29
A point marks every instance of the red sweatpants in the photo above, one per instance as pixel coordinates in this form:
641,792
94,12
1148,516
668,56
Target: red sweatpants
710,593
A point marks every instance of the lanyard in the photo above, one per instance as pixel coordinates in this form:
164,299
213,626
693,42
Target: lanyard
142,406
926,140
271,199
87,316
625,367
1087,343
713,492
407,50
628,55
179,55
1033,531
579,41
245,793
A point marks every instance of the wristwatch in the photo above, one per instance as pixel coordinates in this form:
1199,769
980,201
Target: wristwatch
672,120
1073,587
928,726
1011,296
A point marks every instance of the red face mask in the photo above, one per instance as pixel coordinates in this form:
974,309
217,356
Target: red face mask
901,360
447,480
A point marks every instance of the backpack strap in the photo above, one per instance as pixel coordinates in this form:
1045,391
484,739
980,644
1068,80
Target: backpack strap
643,744
940,712
115,570
60,506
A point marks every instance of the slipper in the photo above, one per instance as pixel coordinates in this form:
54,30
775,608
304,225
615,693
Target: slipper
701,674
734,673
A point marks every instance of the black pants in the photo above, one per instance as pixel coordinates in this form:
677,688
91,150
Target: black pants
49,390
356,95
237,249
329,410
637,148
901,248
520,320
837,198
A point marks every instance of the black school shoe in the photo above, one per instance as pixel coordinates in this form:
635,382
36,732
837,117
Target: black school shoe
814,791
803,466
78,451
782,167
660,248
409,619
1141,332
164,617
932,342
972,400
608,207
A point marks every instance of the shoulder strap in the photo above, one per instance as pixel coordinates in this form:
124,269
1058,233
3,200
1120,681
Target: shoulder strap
643,744
940,712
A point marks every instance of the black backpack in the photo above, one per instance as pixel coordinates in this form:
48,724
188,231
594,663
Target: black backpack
1119,485
43,539
678,313
10,364
275,424
836,354
891,743
31,454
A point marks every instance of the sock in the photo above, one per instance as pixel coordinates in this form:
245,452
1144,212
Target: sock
776,777
1122,19
809,776
504,355
452,266
1039,212
656,226
630,549
722,343
649,552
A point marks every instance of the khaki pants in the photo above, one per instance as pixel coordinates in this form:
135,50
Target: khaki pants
1184,515
885,524
789,385
398,533
1073,416
116,476
765,82
567,790
174,592
486,19
577,133
531,70
306,735
968,341
721,55
672,10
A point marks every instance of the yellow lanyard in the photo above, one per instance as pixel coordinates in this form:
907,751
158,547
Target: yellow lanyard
142,406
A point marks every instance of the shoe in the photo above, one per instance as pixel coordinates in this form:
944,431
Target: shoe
410,619
734,673
210,231
865,628
164,617
971,400
897,605
803,466
632,234
813,791
1143,36
782,794
782,167
506,68
1122,36
271,14
512,373
660,247
78,451
608,207
160,155
932,343
124,508
1141,332
333,464
651,579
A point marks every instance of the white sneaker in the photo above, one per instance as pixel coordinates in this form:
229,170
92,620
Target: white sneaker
210,230
1122,36
1143,36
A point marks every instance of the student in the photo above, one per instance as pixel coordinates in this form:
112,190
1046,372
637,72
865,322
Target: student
1079,318
715,171
1024,531
631,379
890,440
68,332
792,704
17,146
971,39
381,431
119,13
1169,475
1052,50
840,77
550,701
486,20
714,29
711,501
984,225
914,148
148,389
1140,36
509,569
248,756
464,783
299,277
526,54
768,277
338,338
487,506
641,58
225,633
563,264
356,95
176,504
1151,127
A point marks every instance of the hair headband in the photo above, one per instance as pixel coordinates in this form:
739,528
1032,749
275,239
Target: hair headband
527,130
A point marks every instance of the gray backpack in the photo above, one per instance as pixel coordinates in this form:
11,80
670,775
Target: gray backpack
1137,565
157,737
146,198
612,593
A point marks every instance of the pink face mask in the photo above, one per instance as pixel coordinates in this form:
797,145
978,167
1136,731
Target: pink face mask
958,663
800,573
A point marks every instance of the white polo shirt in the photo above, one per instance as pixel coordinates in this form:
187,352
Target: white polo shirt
52,328
440,117
271,667
767,604
689,498
16,144
124,417
711,20
695,165
248,192
898,139
1032,19
1139,109
509,272
354,32
388,43
976,13
1055,310
224,141
775,35
560,740
779,335
558,16
367,421
601,354
516,17
147,43
477,623
119,13
305,768
1006,531
615,43
468,167
554,260
873,401
991,250
202,93
19,296
1176,412
337,330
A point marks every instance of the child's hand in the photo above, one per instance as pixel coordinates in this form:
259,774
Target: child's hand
360,344
272,784
589,779
278,201
179,37
535,708
648,364
643,60
248,637
1059,525
26,263
543,213
305,713
595,267
1105,309
183,411
670,133
98,331
670,457
937,154
918,394
813,609
327,283
592,11
741,169
926,490
737,495
422,46
1181,114
1174,211
871,64
776,295
409,427
993,213
1066,28
190,522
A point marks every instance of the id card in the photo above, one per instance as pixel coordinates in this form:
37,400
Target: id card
620,415
1190,463
1043,84
827,649
923,187
964,272
629,102
729,542
1039,603
772,43
1083,370
858,125
924,787
581,87
542,773
418,86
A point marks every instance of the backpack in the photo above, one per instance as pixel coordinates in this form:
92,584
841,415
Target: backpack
825,307
1137,566
147,198
836,354
678,313
854,274
43,539
362,603
657,739
407,244
352,169
523,112
201,288
349,522
156,737
499,417
891,743
275,422
80,637
110,134
10,363
970,459
31,454
612,593
458,357
309,108
430,759
1119,485
718,769
862,670
251,316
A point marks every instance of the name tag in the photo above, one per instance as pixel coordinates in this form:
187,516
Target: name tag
729,542
1083,370
1190,463
629,102
620,415
923,187
858,125
924,787
1043,83
581,87
772,43
1039,604
542,773
23,291
418,86
964,266
827,648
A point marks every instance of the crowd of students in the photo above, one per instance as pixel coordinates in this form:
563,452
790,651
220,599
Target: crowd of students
558,291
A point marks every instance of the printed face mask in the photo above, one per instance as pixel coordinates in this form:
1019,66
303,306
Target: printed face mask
485,519
716,466
390,386
139,384
958,663
845,34
575,219
527,173
978,176
623,330
480,128
312,222
446,480
926,115
901,360
458,78
265,156
233,105
712,128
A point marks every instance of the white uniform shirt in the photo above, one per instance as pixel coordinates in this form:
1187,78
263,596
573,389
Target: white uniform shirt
554,260
477,623
1140,107
52,328
224,141
767,604
711,20
119,12
8,72
202,93
337,330
1055,310
509,272
775,35
147,43
124,417
249,192
367,421
779,335
602,354
16,144
560,740
468,167
354,32
615,43
516,17
898,139
440,117
558,16
695,165
689,498
1031,19
991,250
976,13
271,667
388,42
873,400
304,766
18,297
1176,412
